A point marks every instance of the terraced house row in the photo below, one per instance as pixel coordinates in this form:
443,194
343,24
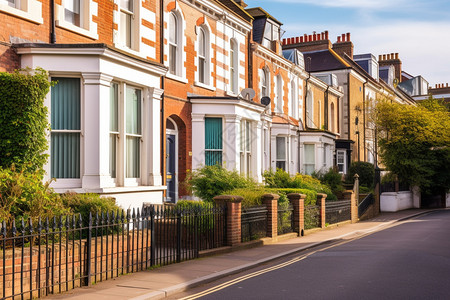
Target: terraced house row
149,90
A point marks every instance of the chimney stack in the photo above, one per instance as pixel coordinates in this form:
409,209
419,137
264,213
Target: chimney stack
344,45
392,59
311,42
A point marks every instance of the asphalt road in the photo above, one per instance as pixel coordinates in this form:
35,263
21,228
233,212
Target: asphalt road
410,260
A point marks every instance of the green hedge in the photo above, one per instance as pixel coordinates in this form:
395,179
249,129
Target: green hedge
23,119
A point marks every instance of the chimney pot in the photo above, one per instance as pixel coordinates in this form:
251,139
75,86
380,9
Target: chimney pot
343,37
301,39
326,34
310,38
392,55
297,40
446,85
314,37
379,57
322,36
396,55
339,39
348,36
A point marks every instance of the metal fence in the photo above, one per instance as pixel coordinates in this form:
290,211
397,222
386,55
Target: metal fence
365,203
337,211
285,219
312,216
253,223
57,255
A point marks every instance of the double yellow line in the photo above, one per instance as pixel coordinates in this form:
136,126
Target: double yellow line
257,273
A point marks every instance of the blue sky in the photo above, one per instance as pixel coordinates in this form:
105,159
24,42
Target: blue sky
418,30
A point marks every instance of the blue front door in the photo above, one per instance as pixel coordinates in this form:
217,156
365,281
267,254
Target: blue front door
171,175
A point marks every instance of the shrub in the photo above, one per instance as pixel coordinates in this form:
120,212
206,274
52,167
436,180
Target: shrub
210,181
189,204
252,197
23,119
311,195
333,179
89,203
365,171
281,179
23,194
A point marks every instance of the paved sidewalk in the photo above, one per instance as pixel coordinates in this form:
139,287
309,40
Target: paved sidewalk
169,280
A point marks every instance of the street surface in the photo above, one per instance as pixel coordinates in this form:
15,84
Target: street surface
410,260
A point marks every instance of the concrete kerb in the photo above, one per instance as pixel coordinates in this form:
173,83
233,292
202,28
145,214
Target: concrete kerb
160,294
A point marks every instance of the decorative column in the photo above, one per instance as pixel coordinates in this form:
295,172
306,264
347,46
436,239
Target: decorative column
298,204
233,204
321,203
271,201
96,130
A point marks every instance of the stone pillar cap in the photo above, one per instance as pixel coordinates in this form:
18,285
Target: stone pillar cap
228,198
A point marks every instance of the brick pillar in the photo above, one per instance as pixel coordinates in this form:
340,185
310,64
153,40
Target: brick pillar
271,201
351,196
298,204
233,204
321,203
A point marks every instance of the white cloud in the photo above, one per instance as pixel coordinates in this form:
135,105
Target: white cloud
423,47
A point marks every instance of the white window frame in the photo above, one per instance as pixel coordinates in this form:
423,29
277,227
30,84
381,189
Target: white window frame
281,159
341,154
177,45
234,66
279,101
30,10
293,107
309,163
68,183
246,147
310,109
265,83
127,23
203,75
86,27
132,181
271,33
114,134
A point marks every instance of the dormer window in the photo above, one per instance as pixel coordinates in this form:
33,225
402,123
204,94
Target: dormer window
271,34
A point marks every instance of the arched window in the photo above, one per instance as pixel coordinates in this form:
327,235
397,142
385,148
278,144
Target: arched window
293,106
265,83
332,117
279,103
174,44
202,55
234,66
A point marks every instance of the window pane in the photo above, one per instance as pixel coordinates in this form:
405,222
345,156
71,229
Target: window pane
213,141
126,28
201,70
201,43
65,155
281,148
309,159
133,157
65,104
112,155
247,136
72,11
173,29
173,59
113,107
126,4
133,111
268,31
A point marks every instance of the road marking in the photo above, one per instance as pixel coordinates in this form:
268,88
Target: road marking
257,273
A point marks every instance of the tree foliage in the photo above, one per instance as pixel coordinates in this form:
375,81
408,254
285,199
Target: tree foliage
415,143
23,119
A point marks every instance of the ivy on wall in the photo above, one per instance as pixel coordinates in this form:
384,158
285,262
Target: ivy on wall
23,119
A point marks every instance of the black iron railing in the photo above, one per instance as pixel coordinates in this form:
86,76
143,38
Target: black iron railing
312,216
57,255
337,211
285,219
253,223
365,203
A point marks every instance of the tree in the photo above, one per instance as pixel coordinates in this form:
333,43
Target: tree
414,143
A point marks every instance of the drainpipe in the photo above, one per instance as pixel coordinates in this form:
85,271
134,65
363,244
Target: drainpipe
364,119
52,21
161,51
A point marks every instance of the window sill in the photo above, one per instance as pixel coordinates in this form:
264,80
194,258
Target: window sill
205,86
232,94
76,29
35,14
177,78
129,50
